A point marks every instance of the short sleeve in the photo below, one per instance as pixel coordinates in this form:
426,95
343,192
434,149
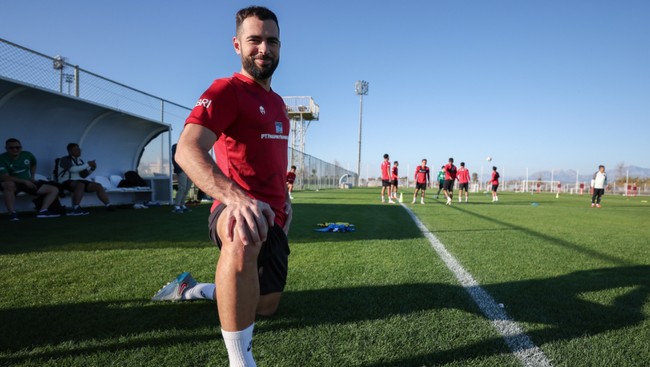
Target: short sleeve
216,109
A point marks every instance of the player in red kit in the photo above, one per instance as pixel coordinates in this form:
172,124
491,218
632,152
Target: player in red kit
385,179
494,180
450,177
291,177
463,182
247,125
422,180
394,177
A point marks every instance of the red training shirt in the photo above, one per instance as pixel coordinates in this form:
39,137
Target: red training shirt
252,128
422,174
385,170
463,175
450,172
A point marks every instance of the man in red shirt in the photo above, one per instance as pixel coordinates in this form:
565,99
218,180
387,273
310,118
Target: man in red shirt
450,177
463,182
422,180
291,177
385,179
247,124
394,177
494,180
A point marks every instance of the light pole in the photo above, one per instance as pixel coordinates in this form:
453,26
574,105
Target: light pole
361,88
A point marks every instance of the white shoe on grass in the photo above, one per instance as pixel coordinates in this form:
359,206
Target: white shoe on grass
173,291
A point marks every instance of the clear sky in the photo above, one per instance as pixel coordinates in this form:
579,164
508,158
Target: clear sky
560,84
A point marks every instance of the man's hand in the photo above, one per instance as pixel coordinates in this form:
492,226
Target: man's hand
250,219
92,164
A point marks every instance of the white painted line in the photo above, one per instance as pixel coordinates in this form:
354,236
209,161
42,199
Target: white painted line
522,347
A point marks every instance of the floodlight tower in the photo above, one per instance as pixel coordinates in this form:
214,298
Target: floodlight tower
302,111
361,88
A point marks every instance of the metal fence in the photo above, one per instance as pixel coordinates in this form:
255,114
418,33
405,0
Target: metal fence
56,74
315,174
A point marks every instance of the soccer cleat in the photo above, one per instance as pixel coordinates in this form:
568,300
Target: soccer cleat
460,200
173,291
597,205
391,201
77,212
448,201
47,214
13,217
413,202
383,200
185,209
422,201
177,210
593,205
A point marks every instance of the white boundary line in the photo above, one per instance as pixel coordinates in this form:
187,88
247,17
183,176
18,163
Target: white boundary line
523,348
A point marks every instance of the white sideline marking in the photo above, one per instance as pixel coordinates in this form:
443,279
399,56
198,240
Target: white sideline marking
523,348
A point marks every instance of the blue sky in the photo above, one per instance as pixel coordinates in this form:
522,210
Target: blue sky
535,84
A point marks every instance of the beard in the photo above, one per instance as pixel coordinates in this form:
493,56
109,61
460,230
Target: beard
257,72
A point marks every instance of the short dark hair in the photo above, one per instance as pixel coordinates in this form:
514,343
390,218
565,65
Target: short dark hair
601,166
395,162
462,164
385,155
259,12
12,140
494,168
451,159
72,145
293,167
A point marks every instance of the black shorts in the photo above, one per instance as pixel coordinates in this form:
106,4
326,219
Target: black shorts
421,186
393,183
495,187
21,187
273,259
67,185
441,184
385,183
448,185
463,186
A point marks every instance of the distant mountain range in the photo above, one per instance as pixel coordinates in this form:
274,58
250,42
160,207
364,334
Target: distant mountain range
570,175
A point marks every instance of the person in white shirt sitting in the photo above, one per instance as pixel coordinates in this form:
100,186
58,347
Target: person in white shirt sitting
73,172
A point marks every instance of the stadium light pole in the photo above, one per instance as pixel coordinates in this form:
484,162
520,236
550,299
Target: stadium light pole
361,88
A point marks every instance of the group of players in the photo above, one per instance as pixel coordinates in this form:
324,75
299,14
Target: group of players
446,177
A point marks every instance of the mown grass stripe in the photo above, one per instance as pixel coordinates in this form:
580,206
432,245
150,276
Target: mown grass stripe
521,345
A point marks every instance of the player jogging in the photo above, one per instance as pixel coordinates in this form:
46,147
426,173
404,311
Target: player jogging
291,177
450,177
463,182
421,180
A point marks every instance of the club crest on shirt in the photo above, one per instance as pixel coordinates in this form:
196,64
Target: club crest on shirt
278,127
262,110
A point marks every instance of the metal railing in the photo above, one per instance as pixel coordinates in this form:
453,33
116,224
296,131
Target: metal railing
56,74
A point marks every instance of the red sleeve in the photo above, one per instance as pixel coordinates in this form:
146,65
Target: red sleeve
215,109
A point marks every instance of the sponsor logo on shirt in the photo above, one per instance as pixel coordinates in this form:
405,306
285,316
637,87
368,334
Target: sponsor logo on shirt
278,127
203,102
262,110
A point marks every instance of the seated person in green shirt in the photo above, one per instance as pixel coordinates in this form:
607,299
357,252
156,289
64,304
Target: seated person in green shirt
17,170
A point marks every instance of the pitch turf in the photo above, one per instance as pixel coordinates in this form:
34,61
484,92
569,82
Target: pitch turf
76,290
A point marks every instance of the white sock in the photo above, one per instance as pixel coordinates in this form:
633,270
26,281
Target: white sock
200,291
240,347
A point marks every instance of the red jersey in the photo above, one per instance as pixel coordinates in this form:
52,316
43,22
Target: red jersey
422,174
385,170
394,176
463,175
291,177
252,129
495,178
450,172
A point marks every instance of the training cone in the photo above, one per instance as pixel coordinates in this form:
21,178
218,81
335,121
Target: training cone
401,197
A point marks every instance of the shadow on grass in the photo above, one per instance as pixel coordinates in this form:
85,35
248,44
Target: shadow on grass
157,227
564,312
